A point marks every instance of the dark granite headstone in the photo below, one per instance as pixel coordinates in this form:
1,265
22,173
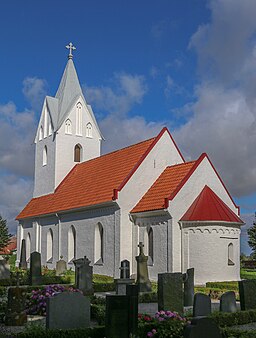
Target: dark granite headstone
23,257
67,310
202,328
133,292
202,305
228,302
83,275
170,291
142,271
117,316
125,269
188,279
247,292
35,272
16,314
61,267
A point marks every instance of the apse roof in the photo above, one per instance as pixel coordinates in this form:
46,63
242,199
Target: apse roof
209,207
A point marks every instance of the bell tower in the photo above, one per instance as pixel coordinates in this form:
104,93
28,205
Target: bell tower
67,132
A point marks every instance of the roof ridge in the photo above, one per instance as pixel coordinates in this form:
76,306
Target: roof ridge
180,164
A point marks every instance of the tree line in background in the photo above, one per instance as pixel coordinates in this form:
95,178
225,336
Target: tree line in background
5,237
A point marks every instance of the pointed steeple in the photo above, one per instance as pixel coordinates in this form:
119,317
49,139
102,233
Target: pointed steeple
68,92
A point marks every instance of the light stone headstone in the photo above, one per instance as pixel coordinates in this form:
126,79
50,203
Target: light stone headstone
4,269
202,305
67,310
117,316
228,302
23,257
16,314
61,267
188,288
142,271
83,275
170,292
247,292
202,328
35,272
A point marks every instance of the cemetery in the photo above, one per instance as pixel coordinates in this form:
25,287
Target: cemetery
36,301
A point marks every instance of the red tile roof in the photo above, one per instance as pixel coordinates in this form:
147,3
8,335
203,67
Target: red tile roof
166,184
12,246
209,207
91,182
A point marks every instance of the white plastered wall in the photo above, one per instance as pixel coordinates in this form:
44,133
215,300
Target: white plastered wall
203,175
65,143
163,154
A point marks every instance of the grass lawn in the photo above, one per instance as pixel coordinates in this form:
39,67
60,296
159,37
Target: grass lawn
248,274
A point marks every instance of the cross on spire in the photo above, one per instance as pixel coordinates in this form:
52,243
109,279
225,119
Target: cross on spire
71,47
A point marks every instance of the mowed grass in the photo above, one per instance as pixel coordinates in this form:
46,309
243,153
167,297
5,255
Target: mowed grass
248,274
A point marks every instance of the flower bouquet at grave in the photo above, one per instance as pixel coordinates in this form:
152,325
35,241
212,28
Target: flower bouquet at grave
164,324
36,303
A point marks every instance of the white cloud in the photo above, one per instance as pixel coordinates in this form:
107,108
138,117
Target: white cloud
34,89
223,121
126,91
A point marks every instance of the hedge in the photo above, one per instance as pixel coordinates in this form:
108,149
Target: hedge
232,286
223,319
231,333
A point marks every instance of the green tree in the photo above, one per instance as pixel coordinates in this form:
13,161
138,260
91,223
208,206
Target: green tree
252,238
4,233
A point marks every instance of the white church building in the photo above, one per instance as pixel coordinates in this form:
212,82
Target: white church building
102,206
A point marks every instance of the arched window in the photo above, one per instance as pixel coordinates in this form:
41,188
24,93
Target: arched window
79,119
231,254
98,244
50,128
45,156
49,249
41,132
78,153
28,246
71,243
68,127
150,246
89,130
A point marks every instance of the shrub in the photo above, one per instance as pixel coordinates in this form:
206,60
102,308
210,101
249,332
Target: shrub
36,304
236,318
148,297
231,286
98,313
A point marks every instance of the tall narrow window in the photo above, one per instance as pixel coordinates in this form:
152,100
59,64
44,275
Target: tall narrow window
79,119
28,246
68,127
41,131
49,249
71,243
45,123
150,245
231,254
89,130
50,128
45,156
98,244
77,153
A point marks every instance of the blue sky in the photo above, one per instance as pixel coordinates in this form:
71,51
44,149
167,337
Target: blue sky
187,65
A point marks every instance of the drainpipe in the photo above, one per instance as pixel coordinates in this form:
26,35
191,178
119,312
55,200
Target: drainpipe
59,236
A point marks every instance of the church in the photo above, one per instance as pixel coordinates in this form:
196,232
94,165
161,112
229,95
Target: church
102,206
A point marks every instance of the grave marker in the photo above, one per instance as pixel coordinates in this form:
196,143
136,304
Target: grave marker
228,302
35,272
202,305
16,314
170,291
202,328
247,292
83,275
61,267
188,279
23,257
142,271
4,269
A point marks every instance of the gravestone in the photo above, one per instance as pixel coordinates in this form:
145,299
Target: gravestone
170,291
67,310
142,271
124,279
83,275
4,269
202,305
61,267
188,279
35,272
16,304
202,328
247,292
117,316
228,302
23,257
132,291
